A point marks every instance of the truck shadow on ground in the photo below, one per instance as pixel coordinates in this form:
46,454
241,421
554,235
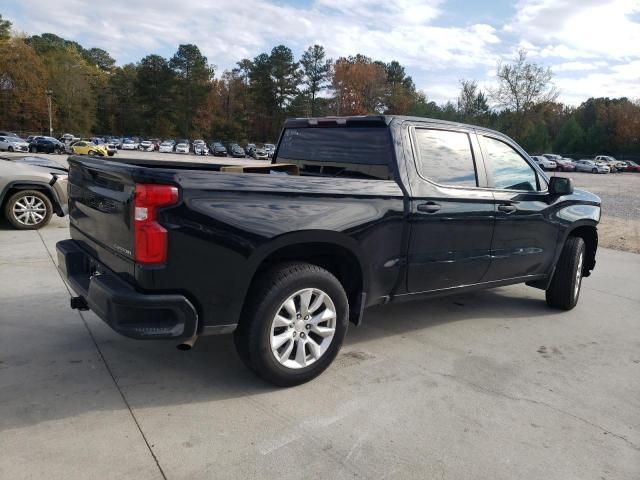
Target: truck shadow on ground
153,374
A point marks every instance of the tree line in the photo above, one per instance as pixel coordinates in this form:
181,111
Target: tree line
185,96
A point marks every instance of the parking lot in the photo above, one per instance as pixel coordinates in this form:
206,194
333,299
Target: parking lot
486,385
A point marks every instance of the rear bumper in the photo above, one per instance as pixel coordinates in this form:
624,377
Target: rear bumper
127,311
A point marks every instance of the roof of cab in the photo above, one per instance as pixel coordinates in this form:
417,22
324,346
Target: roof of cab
374,120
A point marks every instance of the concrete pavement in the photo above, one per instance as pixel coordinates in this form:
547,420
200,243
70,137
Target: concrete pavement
487,385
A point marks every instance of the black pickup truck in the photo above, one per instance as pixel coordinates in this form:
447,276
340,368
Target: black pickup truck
351,213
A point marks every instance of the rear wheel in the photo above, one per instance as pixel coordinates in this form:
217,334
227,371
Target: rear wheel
294,324
28,210
564,290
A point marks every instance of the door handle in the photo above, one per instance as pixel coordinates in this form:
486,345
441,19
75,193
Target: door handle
507,208
429,207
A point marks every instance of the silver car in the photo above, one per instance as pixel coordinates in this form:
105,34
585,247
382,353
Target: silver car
32,189
591,166
13,144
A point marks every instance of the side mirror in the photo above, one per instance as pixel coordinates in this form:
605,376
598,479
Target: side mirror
560,186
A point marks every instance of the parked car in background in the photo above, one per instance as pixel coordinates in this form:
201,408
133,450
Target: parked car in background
146,146
235,150
614,165
260,153
632,166
544,162
166,147
32,189
112,146
117,141
46,145
591,166
218,149
185,141
200,147
6,133
102,143
249,148
565,165
84,147
129,144
13,144
68,138
182,148
270,148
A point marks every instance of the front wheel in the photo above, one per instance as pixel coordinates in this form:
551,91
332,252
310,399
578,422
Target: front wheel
28,210
91,153
594,170
10,149
293,325
564,289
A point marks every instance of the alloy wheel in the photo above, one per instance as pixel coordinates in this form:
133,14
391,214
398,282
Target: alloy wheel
303,328
29,210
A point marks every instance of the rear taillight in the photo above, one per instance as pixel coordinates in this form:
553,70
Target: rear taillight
150,236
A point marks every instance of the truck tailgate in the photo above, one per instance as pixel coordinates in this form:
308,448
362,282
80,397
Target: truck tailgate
100,211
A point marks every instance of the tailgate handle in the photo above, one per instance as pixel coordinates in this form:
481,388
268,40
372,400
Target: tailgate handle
429,207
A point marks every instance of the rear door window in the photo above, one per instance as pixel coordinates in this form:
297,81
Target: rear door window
445,157
343,152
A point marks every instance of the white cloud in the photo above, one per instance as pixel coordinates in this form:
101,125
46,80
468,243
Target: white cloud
226,31
574,66
574,29
578,39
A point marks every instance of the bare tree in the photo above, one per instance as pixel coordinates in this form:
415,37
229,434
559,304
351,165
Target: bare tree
523,85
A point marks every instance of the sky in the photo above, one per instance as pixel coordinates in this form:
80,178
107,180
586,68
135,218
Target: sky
592,46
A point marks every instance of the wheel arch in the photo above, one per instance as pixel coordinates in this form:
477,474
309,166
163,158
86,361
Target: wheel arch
18,186
335,252
589,234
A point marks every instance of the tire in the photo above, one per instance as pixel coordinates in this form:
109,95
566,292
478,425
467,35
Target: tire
258,326
564,289
10,149
91,153
594,170
35,206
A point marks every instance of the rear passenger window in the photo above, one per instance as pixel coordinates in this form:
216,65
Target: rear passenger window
445,157
509,169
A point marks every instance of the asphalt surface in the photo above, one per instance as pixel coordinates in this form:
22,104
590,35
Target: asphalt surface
486,385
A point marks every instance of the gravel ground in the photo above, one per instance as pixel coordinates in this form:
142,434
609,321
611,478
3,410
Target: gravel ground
620,193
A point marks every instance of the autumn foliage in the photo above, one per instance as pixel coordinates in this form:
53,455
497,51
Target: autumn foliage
183,96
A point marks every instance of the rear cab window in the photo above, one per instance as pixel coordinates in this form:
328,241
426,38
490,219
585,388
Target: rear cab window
343,152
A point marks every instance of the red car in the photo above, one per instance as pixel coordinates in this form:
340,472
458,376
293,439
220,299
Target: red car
632,166
563,164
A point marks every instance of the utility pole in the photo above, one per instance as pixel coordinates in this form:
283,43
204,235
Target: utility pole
49,94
